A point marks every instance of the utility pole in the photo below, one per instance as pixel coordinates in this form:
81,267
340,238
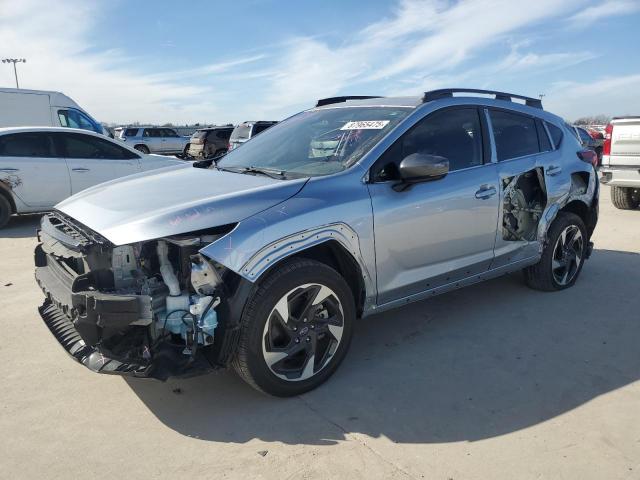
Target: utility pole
14,61
541,95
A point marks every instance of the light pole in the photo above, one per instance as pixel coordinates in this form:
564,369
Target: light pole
542,95
14,61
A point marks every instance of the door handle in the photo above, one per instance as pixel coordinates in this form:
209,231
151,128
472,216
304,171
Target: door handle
9,170
80,170
553,170
486,191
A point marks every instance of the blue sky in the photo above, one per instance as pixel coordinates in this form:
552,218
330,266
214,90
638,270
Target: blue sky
205,61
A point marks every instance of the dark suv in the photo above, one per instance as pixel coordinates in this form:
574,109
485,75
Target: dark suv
210,142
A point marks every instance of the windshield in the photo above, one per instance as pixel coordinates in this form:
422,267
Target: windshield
317,142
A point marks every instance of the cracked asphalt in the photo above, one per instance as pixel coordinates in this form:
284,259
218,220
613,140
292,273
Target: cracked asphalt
493,381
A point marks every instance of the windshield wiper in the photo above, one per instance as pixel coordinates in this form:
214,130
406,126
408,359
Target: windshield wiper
269,172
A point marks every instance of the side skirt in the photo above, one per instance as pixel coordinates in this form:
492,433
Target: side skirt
489,274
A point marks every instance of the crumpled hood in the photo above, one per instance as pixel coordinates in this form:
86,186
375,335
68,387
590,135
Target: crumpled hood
174,200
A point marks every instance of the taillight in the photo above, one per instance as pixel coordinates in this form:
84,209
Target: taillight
588,156
608,133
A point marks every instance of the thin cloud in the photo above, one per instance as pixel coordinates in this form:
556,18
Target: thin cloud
419,44
610,8
607,94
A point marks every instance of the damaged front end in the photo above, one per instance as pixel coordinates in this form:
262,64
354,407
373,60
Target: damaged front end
149,309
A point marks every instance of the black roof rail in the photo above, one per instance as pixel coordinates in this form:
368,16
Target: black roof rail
328,101
448,92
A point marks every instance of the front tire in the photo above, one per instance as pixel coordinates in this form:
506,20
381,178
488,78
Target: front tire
563,256
296,328
625,198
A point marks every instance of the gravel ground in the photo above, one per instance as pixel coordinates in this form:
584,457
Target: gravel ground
494,381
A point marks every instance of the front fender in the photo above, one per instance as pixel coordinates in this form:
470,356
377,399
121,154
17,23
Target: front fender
308,219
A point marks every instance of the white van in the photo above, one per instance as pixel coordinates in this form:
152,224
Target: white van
39,108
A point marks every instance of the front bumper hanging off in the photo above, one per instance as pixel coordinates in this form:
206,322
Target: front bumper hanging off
91,357
79,318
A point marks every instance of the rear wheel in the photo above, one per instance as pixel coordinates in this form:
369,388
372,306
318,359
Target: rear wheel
625,198
296,328
142,148
563,256
5,211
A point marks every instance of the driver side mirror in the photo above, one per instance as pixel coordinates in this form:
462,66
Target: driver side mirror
420,167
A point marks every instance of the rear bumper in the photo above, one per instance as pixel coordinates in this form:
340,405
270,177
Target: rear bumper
620,176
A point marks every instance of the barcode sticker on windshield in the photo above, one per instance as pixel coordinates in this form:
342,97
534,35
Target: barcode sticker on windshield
365,125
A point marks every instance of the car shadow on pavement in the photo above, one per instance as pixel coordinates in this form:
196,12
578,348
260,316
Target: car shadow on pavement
472,364
21,226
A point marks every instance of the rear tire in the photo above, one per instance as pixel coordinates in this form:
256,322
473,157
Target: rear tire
290,357
5,211
559,267
625,198
142,148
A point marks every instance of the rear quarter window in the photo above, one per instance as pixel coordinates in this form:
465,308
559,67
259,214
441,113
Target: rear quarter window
130,132
556,134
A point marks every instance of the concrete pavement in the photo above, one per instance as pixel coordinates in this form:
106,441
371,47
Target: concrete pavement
492,381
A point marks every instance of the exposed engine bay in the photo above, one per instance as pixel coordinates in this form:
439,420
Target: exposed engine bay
524,201
134,304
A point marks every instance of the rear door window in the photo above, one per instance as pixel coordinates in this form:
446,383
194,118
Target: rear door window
30,144
515,135
151,132
85,146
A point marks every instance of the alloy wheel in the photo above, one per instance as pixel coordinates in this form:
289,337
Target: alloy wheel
303,332
567,255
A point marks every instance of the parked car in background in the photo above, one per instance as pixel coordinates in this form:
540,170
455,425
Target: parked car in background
246,130
621,161
155,140
588,140
264,259
596,131
40,108
41,166
210,142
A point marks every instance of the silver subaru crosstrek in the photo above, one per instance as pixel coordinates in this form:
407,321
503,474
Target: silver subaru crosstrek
265,259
